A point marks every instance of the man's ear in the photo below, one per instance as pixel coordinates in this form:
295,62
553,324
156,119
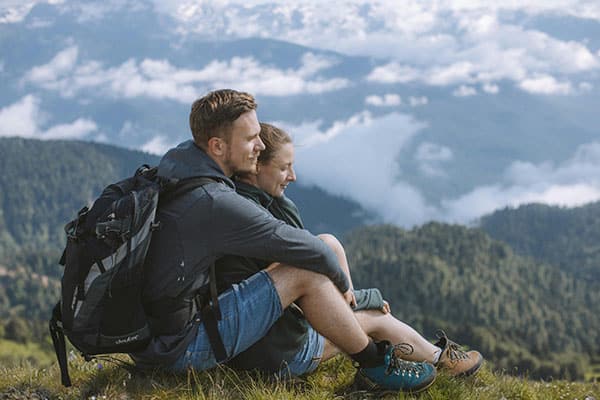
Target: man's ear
216,146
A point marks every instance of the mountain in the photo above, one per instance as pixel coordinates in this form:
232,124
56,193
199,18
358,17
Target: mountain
518,312
565,237
44,183
447,133
535,314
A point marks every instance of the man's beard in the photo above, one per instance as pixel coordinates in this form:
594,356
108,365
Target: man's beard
236,169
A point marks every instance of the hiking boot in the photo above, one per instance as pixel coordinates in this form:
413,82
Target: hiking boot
454,360
395,375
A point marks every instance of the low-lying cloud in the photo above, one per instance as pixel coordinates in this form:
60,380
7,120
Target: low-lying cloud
25,118
357,159
159,79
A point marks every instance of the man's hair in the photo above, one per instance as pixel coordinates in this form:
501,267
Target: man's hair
273,138
213,114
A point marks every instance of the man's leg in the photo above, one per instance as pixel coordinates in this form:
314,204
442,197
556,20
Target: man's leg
322,303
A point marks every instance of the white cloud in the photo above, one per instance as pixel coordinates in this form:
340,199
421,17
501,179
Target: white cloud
25,119
158,145
491,88
571,183
337,160
464,91
161,80
62,64
545,84
394,73
387,100
416,101
75,130
431,156
585,86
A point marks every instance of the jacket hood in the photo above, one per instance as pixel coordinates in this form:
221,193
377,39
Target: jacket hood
188,160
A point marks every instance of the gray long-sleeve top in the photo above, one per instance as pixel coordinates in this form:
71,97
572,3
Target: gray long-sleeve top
206,224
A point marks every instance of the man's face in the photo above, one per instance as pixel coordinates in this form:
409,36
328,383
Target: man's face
243,145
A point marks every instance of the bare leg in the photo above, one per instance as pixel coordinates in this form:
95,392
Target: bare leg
323,305
379,326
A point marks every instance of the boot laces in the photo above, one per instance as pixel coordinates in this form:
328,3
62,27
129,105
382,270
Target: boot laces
398,366
453,349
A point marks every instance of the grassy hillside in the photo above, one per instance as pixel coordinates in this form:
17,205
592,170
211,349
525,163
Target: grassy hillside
331,381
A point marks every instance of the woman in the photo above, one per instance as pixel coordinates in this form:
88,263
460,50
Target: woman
290,340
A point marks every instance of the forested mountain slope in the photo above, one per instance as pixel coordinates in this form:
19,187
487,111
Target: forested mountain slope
566,237
517,311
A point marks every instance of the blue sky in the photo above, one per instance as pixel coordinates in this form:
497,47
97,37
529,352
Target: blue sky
470,49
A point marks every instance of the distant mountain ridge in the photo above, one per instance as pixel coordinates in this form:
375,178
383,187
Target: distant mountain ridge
44,183
566,237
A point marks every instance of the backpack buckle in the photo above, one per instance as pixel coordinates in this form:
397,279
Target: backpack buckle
72,228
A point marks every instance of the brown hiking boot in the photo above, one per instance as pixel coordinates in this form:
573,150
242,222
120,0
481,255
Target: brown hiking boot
456,361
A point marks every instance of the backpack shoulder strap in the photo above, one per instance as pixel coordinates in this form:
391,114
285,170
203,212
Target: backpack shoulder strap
183,186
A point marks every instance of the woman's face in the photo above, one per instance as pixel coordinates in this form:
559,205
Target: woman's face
274,176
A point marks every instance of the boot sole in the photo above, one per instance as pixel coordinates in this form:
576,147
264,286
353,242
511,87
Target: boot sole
472,371
374,389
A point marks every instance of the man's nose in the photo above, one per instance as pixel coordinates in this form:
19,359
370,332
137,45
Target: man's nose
292,175
260,146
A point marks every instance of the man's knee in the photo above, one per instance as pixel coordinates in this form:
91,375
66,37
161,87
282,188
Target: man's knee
292,283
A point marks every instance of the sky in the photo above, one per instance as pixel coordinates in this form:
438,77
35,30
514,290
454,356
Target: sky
471,48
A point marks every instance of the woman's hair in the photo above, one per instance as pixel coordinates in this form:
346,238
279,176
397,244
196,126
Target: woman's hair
273,138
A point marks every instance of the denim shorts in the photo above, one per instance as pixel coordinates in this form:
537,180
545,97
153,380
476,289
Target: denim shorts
308,358
248,310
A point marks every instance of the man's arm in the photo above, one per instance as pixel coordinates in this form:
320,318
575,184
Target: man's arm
240,227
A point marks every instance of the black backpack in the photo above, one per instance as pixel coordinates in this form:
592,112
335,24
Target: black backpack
101,309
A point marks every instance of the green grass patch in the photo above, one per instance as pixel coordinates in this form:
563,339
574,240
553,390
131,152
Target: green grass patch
331,381
33,354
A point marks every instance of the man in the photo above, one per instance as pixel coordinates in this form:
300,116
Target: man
212,221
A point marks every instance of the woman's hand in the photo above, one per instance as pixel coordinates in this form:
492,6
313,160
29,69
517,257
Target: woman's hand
386,308
350,298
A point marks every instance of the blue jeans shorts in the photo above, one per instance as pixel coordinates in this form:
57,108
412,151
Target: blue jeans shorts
308,358
248,310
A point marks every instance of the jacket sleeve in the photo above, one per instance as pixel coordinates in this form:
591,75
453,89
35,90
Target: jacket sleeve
240,227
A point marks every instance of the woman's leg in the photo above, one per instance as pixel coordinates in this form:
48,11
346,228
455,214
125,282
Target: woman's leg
411,345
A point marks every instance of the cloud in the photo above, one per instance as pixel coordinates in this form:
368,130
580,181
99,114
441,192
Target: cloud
158,145
160,79
394,73
62,64
490,88
417,101
431,156
25,119
387,100
338,161
571,183
545,84
464,91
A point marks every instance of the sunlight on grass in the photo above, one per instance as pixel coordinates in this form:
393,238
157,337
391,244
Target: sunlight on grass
94,380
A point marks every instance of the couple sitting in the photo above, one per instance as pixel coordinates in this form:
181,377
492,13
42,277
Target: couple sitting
275,278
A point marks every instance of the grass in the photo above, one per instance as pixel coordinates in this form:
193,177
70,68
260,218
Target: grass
99,381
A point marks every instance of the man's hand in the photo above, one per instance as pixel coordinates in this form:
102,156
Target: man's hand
350,298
